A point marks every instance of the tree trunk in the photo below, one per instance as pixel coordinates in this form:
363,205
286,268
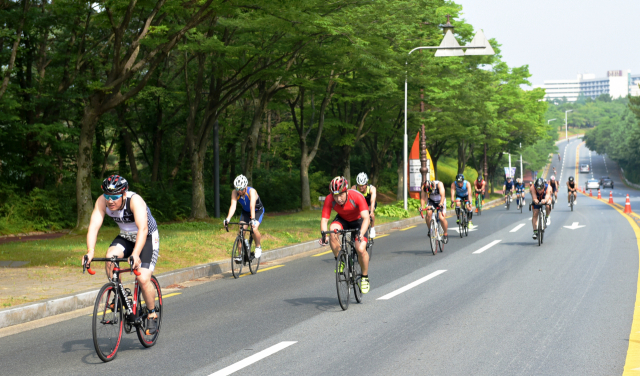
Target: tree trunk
158,132
304,180
106,155
198,207
176,169
256,123
259,146
268,138
127,144
84,204
14,49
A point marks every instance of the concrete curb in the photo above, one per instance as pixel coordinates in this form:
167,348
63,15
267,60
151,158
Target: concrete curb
629,184
45,308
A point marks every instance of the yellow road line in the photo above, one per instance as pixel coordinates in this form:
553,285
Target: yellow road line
322,254
408,228
264,270
163,297
381,236
632,363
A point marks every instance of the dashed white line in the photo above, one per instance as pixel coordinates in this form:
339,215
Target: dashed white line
487,246
253,358
411,285
518,227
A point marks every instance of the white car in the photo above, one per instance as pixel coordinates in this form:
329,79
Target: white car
592,184
584,168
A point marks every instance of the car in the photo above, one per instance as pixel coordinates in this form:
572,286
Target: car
584,168
592,184
606,181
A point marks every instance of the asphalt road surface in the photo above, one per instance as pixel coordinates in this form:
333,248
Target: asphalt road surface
493,303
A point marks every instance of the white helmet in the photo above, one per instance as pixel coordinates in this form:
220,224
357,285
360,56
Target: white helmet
241,182
362,178
553,177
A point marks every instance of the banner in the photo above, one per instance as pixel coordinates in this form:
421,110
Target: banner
415,177
508,173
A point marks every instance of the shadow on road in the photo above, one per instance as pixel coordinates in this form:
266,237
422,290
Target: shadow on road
322,303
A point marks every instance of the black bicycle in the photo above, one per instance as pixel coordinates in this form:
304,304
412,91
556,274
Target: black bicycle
572,198
369,243
508,200
243,251
348,270
463,215
542,222
436,233
116,308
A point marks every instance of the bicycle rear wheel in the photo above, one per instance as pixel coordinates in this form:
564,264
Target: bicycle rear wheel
466,225
540,219
433,238
236,258
369,244
342,280
460,224
148,340
107,323
255,263
508,202
440,235
356,275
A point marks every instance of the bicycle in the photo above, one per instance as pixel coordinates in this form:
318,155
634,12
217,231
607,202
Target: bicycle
435,230
243,255
463,223
572,198
348,270
113,302
479,199
553,201
542,221
508,200
522,201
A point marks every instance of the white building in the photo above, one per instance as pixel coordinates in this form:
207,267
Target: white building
618,83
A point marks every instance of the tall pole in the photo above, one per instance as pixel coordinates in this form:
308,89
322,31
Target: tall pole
509,164
406,166
521,162
216,169
566,128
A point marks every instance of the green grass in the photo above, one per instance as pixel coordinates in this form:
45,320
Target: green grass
448,169
181,244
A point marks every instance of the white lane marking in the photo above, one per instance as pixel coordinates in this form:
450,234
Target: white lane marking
487,246
253,358
411,285
518,227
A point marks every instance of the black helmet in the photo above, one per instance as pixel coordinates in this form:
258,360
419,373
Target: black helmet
571,179
508,177
480,177
539,183
459,178
115,185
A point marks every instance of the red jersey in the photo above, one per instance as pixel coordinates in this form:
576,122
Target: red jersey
351,209
479,185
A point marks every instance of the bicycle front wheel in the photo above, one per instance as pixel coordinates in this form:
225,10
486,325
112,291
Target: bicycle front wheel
342,280
440,237
148,339
255,263
236,258
369,243
461,224
107,322
433,238
356,275
540,219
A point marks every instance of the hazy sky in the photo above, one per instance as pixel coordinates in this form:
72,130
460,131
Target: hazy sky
560,38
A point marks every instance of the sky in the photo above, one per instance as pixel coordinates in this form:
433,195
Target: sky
559,39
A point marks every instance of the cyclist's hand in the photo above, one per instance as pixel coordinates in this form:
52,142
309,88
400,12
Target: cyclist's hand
324,241
86,259
225,222
136,261
253,223
421,213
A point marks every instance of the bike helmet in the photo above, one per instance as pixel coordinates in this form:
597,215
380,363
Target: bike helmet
553,177
115,185
508,177
460,178
479,178
241,182
338,185
362,179
539,184
518,180
571,178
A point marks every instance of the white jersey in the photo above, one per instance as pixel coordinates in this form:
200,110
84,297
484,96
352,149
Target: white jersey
125,220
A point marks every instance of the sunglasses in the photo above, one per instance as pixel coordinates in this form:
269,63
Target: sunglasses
336,193
111,197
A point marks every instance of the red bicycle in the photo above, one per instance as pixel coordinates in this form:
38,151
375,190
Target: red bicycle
116,308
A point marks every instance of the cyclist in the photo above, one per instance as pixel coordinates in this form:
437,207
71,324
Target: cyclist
480,186
559,159
507,188
460,190
554,187
540,194
252,209
353,213
571,190
519,188
138,236
554,171
433,192
369,193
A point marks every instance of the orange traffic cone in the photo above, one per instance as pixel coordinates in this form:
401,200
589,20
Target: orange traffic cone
476,210
627,206
611,197
599,195
590,193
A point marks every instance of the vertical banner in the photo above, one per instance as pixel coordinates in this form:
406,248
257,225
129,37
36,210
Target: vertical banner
415,177
509,172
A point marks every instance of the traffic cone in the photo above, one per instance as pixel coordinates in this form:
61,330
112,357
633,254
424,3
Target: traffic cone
590,193
611,197
599,196
627,206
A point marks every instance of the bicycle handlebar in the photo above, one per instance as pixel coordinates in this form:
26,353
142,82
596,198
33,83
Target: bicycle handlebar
237,223
87,266
336,231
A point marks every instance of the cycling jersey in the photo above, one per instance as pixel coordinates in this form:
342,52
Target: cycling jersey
125,220
572,185
367,195
541,195
554,186
520,188
434,195
245,201
478,185
461,192
351,209
508,185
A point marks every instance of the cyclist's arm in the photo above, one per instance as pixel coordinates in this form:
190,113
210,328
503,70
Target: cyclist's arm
99,211
469,190
373,201
532,192
365,221
323,224
422,198
139,209
442,194
253,195
453,192
234,202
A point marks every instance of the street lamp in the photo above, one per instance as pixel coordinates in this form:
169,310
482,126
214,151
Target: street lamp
549,121
448,47
566,129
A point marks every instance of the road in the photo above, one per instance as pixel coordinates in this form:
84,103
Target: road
515,308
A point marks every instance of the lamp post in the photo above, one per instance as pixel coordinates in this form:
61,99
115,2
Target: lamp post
566,128
448,47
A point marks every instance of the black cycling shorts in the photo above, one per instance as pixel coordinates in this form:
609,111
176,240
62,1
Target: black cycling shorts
246,216
150,251
463,198
353,225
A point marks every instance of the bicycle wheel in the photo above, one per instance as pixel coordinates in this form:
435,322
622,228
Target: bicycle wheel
540,227
342,280
236,253
460,225
148,340
255,263
369,244
521,205
466,224
571,203
356,275
433,238
106,324
440,235
508,202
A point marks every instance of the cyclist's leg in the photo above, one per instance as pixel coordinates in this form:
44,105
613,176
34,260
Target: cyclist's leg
458,209
119,246
443,222
334,240
256,233
148,259
534,218
361,247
